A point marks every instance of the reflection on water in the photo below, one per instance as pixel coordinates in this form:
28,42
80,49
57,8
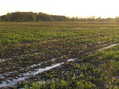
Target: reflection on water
8,79
36,69
107,47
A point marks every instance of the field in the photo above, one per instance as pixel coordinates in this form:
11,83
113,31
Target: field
59,55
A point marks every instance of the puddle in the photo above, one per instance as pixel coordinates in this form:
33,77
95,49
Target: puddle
72,59
27,75
107,47
9,79
8,82
7,74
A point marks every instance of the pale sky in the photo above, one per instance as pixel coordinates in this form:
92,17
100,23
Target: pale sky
103,8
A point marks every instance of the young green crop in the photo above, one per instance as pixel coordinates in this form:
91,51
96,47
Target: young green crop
29,43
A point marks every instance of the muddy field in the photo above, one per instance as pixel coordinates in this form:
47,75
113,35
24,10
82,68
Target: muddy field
78,55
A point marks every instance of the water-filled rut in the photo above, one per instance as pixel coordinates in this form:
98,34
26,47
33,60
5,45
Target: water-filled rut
11,78
7,79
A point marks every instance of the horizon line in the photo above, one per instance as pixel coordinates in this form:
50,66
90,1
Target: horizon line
76,16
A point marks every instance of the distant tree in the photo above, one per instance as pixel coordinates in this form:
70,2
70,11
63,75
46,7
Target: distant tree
30,16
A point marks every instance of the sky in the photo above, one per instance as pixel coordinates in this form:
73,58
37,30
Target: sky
80,8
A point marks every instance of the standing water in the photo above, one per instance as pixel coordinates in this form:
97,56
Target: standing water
24,76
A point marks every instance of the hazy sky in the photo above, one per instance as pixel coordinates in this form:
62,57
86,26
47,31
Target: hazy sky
104,8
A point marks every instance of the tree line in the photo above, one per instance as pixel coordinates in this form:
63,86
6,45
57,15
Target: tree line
30,16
